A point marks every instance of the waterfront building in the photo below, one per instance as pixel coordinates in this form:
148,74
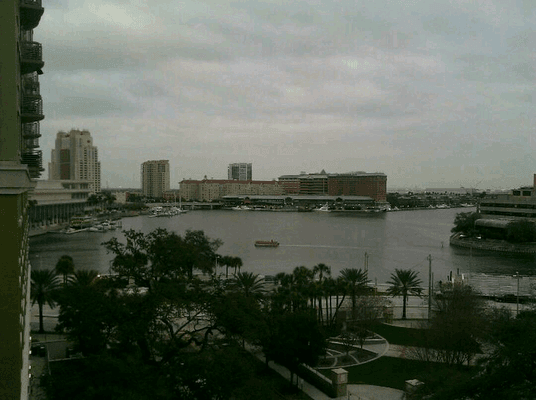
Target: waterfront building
240,172
55,202
519,203
21,109
215,189
75,158
303,201
373,185
155,178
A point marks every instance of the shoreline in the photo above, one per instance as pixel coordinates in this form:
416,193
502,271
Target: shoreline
492,245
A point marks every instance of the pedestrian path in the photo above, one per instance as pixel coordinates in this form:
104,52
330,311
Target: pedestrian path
355,392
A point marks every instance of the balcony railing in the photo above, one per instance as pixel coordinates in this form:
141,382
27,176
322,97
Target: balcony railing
31,143
31,130
34,160
32,109
30,84
30,13
31,57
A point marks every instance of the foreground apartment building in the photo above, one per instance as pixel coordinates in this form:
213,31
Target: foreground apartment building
21,109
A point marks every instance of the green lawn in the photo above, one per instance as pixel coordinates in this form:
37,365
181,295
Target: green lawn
393,372
401,335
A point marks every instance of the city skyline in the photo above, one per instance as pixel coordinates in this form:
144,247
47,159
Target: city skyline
436,96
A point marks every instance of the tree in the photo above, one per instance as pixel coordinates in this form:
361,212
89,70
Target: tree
521,231
249,284
458,323
356,281
370,310
201,252
323,271
65,267
149,258
236,263
293,338
465,222
88,316
84,277
404,283
43,290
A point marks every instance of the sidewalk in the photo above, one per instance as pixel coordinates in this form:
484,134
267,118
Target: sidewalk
355,392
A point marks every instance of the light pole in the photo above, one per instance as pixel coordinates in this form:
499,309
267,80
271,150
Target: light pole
517,297
216,270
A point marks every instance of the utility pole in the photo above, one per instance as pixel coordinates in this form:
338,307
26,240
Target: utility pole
429,286
366,264
517,297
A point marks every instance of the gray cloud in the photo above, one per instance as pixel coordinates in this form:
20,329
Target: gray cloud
426,94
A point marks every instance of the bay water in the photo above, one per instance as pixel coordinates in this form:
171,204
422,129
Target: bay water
386,241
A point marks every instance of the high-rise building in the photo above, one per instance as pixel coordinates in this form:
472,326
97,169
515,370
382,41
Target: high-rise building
155,178
239,171
21,109
75,158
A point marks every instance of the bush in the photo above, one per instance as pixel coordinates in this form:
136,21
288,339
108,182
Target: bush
521,231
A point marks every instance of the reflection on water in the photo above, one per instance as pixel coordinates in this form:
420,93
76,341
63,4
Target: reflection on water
393,240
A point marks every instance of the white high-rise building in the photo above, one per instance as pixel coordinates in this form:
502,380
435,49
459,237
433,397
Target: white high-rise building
155,178
75,158
240,172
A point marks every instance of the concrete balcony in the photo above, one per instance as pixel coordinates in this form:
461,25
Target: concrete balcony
34,160
30,13
31,57
32,109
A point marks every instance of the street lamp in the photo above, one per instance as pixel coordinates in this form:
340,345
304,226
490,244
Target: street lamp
517,297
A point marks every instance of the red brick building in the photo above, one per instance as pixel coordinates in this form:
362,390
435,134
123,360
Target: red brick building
373,185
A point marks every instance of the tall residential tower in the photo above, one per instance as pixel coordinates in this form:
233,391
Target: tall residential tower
239,171
155,178
75,158
21,109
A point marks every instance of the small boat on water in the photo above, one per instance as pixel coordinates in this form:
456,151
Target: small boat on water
266,243
324,208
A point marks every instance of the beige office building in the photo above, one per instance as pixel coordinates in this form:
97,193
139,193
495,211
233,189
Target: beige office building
155,178
21,109
75,158
215,189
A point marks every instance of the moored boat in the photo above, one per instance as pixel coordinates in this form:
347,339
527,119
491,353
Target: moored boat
266,243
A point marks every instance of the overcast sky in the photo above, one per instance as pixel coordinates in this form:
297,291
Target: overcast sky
432,93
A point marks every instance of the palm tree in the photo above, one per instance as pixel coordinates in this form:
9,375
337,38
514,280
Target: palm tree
44,285
404,282
251,285
84,277
225,261
356,281
322,270
65,266
237,264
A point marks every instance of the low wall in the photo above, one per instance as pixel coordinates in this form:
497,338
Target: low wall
492,245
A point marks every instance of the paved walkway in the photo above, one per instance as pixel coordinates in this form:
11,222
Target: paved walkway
355,392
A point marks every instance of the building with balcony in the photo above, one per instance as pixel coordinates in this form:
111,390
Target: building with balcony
240,172
20,163
215,189
155,178
373,185
75,158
